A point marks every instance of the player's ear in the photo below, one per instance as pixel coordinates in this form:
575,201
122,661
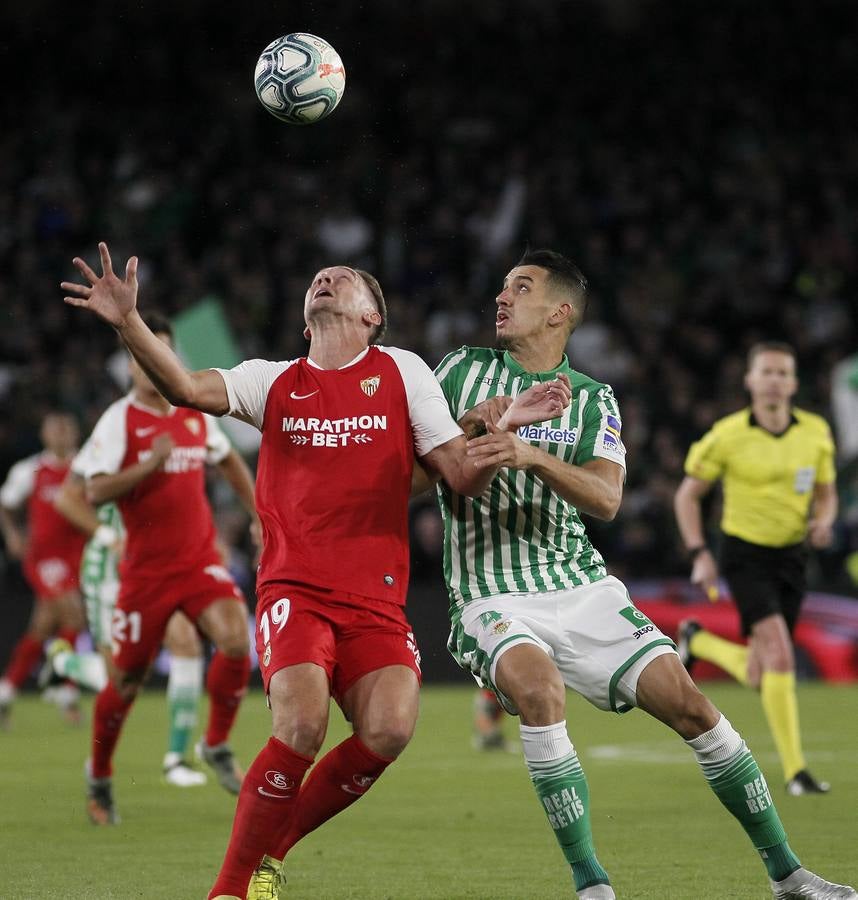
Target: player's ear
371,317
307,334
561,315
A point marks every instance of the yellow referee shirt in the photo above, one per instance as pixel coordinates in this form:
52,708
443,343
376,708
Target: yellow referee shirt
768,479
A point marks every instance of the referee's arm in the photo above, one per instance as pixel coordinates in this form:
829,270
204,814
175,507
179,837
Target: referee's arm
689,518
823,513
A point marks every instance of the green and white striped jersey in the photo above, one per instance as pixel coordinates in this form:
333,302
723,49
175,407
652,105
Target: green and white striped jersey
520,536
100,564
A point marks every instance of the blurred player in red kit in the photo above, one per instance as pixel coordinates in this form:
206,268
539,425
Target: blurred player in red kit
49,549
150,458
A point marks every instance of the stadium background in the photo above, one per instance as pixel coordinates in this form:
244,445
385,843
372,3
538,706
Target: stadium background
699,162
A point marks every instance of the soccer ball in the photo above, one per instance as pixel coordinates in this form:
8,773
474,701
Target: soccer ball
299,78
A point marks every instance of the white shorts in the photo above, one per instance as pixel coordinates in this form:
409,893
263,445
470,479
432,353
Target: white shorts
596,637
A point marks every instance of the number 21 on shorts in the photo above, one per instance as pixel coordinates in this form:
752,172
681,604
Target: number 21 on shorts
279,615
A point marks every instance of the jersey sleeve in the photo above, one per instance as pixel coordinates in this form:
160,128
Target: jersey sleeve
826,471
600,432
705,459
217,443
107,444
81,460
19,483
431,421
247,387
449,374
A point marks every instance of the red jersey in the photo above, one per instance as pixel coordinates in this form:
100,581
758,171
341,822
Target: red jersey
334,473
54,545
167,517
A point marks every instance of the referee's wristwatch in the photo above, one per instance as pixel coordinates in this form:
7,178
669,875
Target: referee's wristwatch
694,552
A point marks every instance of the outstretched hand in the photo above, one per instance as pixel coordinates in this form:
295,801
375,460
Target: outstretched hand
539,403
111,298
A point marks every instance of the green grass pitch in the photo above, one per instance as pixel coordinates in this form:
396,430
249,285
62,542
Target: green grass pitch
445,822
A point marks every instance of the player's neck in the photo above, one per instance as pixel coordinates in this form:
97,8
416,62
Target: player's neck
774,418
537,358
334,347
152,400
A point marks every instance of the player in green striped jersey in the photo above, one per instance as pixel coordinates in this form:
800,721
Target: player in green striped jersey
533,609
99,580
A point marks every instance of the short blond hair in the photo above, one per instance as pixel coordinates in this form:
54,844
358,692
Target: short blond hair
375,289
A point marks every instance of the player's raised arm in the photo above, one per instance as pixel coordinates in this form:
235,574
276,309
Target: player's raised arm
114,300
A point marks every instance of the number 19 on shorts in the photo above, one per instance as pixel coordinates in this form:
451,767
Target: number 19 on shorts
279,615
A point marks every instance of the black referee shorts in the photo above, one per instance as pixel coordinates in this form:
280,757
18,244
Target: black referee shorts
764,580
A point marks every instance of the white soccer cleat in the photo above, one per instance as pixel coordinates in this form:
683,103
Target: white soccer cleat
597,892
804,885
179,773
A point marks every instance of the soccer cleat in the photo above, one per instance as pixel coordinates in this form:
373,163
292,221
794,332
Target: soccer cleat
99,799
804,885
66,697
684,633
180,773
48,676
597,892
223,764
804,783
267,880
7,696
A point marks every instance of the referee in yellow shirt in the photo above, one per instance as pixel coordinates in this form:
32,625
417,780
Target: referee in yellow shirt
776,463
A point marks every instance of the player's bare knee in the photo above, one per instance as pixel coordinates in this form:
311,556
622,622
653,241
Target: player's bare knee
695,714
235,647
390,738
303,734
540,700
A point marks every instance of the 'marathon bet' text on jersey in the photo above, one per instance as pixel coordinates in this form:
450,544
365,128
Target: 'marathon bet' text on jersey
334,472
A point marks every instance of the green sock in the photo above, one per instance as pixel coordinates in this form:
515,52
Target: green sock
736,779
184,688
562,787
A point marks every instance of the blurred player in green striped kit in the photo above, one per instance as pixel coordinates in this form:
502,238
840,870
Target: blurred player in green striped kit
533,609
99,582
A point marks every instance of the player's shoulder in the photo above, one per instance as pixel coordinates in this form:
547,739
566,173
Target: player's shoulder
465,356
400,355
811,421
580,381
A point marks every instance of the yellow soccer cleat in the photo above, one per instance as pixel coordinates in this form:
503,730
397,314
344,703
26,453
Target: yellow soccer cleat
266,881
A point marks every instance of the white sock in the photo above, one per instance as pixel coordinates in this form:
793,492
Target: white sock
86,669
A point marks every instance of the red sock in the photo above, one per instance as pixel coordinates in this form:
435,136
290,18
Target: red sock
27,652
226,683
268,795
342,776
108,718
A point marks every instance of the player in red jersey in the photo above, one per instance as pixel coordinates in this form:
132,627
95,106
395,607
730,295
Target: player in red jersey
340,432
150,458
49,551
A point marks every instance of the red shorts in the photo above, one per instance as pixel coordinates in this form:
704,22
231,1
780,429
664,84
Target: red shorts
53,576
144,607
348,635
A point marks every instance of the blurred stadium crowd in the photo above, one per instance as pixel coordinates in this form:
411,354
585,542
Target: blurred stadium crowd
700,165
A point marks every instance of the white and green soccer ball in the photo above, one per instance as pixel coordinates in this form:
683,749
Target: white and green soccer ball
300,78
